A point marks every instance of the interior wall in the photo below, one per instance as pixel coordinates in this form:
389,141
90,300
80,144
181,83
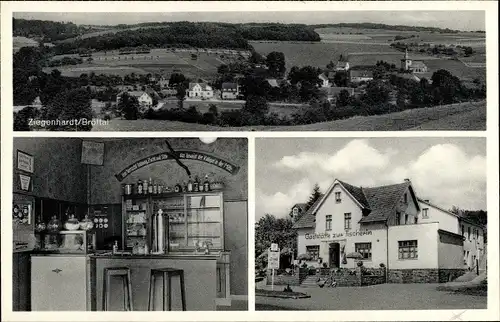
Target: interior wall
58,173
119,154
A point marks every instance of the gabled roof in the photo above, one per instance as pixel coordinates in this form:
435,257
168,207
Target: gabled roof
383,200
229,86
417,63
342,64
134,93
204,86
378,202
273,82
361,73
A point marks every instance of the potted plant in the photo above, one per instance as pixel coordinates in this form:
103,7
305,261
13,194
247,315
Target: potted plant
320,260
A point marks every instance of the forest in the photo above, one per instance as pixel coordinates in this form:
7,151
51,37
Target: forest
369,25
48,31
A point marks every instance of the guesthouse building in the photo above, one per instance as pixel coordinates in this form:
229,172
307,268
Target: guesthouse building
385,226
200,90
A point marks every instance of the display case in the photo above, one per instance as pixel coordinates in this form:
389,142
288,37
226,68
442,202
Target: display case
174,222
67,242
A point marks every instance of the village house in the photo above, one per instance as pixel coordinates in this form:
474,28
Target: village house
342,66
383,226
332,92
144,99
325,82
163,83
200,90
472,233
230,91
414,66
297,210
357,76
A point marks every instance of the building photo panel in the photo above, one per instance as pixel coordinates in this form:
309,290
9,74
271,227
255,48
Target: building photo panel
130,224
370,223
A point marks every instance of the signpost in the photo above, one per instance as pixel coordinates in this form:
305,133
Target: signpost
273,261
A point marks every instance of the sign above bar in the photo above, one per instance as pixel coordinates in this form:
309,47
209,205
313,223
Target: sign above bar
182,155
327,235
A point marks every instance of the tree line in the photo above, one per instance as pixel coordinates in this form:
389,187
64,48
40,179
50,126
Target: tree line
48,31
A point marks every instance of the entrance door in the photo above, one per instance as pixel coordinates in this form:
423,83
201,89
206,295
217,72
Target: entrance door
334,253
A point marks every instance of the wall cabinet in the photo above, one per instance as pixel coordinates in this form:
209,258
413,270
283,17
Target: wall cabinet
59,283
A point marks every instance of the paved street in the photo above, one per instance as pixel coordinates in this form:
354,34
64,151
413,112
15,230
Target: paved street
376,297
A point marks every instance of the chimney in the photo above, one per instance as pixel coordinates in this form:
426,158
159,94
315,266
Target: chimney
407,180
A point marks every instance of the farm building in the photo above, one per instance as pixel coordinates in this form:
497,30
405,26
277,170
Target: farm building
200,90
416,241
357,76
342,66
332,92
144,99
230,91
325,82
414,66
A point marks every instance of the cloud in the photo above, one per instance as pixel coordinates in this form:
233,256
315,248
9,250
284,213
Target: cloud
354,156
446,175
443,173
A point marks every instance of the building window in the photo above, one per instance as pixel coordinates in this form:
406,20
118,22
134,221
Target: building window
415,220
406,219
425,213
313,251
408,249
405,198
295,212
328,224
337,197
347,220
365,249
398,219
468,233
463,231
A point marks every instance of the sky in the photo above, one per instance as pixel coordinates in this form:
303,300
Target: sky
462,20
447,171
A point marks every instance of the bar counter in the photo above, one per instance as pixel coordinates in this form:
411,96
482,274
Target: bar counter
81,279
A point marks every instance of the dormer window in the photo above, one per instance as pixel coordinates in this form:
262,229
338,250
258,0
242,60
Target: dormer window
425,213
338,199
295,212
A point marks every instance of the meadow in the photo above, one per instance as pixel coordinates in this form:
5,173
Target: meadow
157,61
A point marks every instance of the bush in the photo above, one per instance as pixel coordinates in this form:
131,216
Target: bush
382,265
304,257
325,265
304,265
360,263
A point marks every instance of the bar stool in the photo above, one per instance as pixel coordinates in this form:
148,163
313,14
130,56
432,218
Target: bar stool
124,273
167,274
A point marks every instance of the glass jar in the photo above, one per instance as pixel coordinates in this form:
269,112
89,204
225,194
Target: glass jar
54,225
72,223
86,223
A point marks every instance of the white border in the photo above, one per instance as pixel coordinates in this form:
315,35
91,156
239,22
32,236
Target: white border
491,11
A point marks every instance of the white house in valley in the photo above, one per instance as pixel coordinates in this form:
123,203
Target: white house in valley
144,99
200,90
382,225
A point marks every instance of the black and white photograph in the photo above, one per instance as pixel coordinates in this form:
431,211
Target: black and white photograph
157,224
249,71
371,224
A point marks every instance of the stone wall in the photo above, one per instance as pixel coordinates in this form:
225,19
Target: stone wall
347,276
413,276
373,276
283,279
450,274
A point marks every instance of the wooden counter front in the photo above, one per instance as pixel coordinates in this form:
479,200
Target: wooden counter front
199,277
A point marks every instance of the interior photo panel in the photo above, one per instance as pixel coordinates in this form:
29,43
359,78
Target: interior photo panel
130,224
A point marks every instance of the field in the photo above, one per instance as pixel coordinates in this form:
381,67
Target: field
464,116
317,54
18,42
158,61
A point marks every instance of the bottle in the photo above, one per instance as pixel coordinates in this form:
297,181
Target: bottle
196,184
150,187
206,184
190,185
145,187
184,187
160,189
177,188
155,189
139,187
115,247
